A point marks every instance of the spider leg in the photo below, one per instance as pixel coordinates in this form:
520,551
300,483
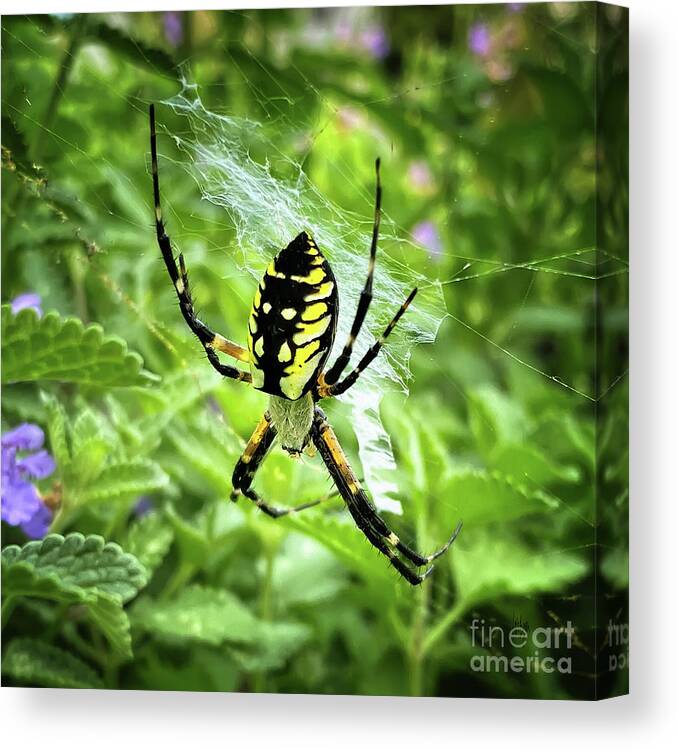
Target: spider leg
255,451
210,340
334,373
364,514
341,387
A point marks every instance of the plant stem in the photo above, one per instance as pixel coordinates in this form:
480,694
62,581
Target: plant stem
437,632
265,610
416,652
60,84
181,575
7,608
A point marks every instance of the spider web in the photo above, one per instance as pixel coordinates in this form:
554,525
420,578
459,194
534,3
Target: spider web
267,211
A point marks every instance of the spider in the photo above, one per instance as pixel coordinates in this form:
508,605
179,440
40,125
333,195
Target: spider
292,325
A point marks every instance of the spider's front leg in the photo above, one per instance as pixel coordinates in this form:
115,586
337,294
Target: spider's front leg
211,341
258,446
361,509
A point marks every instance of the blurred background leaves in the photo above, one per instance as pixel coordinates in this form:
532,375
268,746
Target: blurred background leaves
486,116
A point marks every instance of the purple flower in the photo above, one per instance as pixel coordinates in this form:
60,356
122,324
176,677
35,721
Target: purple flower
174,27
143,506
21,503
479,40
427,235
419,175
28,299
515,7
375,41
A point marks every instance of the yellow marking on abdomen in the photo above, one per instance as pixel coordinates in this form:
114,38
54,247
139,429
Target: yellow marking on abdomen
293,384
311,331
312,312
273,271
313,277
304,352
284,353
324,290
288,313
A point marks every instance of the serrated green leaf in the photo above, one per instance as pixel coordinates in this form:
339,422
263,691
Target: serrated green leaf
137,51
64,350
86,562
87,464
276,643
487,567
192,541
527,464
32,662
149,539
78,570
125,480
216,617
305,573
202,614
479,497
494,418
343,539
56,430
17,152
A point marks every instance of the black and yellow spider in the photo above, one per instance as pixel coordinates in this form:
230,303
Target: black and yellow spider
291,331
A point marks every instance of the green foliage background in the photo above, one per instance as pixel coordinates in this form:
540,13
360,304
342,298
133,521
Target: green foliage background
508,410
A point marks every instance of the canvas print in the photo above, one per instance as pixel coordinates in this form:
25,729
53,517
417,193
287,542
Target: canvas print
315,350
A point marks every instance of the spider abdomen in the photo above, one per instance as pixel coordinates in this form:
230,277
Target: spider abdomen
293,321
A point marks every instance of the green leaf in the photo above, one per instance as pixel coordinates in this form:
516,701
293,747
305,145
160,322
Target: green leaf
479,497
306,573
32,662
216,617
135,50
149,539
487,566
191,540
212,616
64,350
346,541
207,669
77,560
125,480
276,643
78,570
17,152
525,463
56,430
615,566
494,418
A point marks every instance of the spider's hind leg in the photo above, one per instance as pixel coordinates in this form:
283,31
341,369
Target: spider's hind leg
363,512
258,446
